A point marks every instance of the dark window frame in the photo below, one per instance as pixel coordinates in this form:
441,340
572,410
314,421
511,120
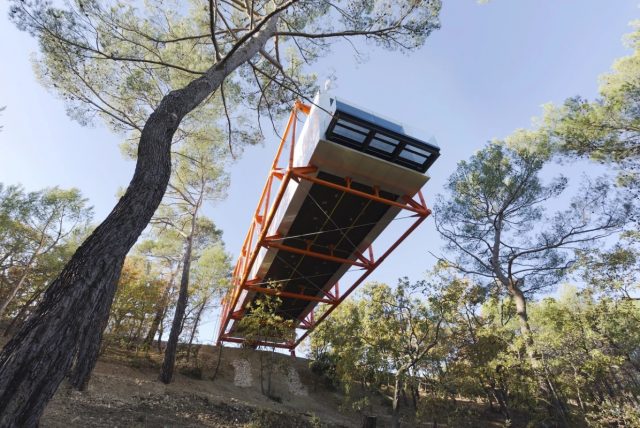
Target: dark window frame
405,142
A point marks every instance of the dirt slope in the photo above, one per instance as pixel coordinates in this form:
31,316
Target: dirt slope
124,392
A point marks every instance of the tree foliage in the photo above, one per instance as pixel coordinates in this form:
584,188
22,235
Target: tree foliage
186,84
147,292
586,340
38,230
262,327
116,60
125,45
383,339
536,355
605,129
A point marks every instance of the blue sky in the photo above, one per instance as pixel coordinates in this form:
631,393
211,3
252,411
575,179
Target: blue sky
483,75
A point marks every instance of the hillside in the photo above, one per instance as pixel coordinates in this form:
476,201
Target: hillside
124,391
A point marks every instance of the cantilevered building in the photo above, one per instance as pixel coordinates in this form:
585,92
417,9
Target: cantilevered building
334,186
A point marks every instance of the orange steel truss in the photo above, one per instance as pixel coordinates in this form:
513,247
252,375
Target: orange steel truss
257,238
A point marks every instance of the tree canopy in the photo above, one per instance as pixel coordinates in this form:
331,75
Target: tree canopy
144,70
531,309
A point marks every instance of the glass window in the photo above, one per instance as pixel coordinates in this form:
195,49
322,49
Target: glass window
353,126
382,145
418,150
387,139
349,133
413,157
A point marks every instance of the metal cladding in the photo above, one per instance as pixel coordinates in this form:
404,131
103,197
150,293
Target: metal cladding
347,175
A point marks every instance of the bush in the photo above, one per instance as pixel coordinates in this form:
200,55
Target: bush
194,372
611,414
324,366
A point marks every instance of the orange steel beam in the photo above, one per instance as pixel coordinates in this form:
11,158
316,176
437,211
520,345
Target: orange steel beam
363,277
421,216
254,253
258,343
271,243
422,202
267,224
362,258
237,315
310,326
423,210
307,322
293,138
243,268
305,108
411,202
299,296
259,281
304,169
262,219
371,258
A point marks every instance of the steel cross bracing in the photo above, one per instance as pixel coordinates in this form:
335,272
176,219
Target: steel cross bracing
257,238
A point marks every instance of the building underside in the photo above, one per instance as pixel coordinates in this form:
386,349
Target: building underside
347,175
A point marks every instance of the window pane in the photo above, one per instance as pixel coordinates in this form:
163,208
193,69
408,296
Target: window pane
381,145
348,133
387,139
353,126
413,157
418,150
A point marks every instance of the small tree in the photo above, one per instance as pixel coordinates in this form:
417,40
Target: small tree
263,325
493,221
615,271
410,327
165,247
34,225
133,305
146,70
211,278
385,334
198,178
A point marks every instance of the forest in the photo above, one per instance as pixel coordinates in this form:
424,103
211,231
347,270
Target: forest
530,310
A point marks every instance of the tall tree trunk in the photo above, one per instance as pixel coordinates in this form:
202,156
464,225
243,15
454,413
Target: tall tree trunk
168,365
195,326
521,311
34,362
135,339
161,333
576,379
161,308
545,384
407,367
186,315
415,395
261,373
405,400
395,415
90,346
215,370
12,294
269,374
514,289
